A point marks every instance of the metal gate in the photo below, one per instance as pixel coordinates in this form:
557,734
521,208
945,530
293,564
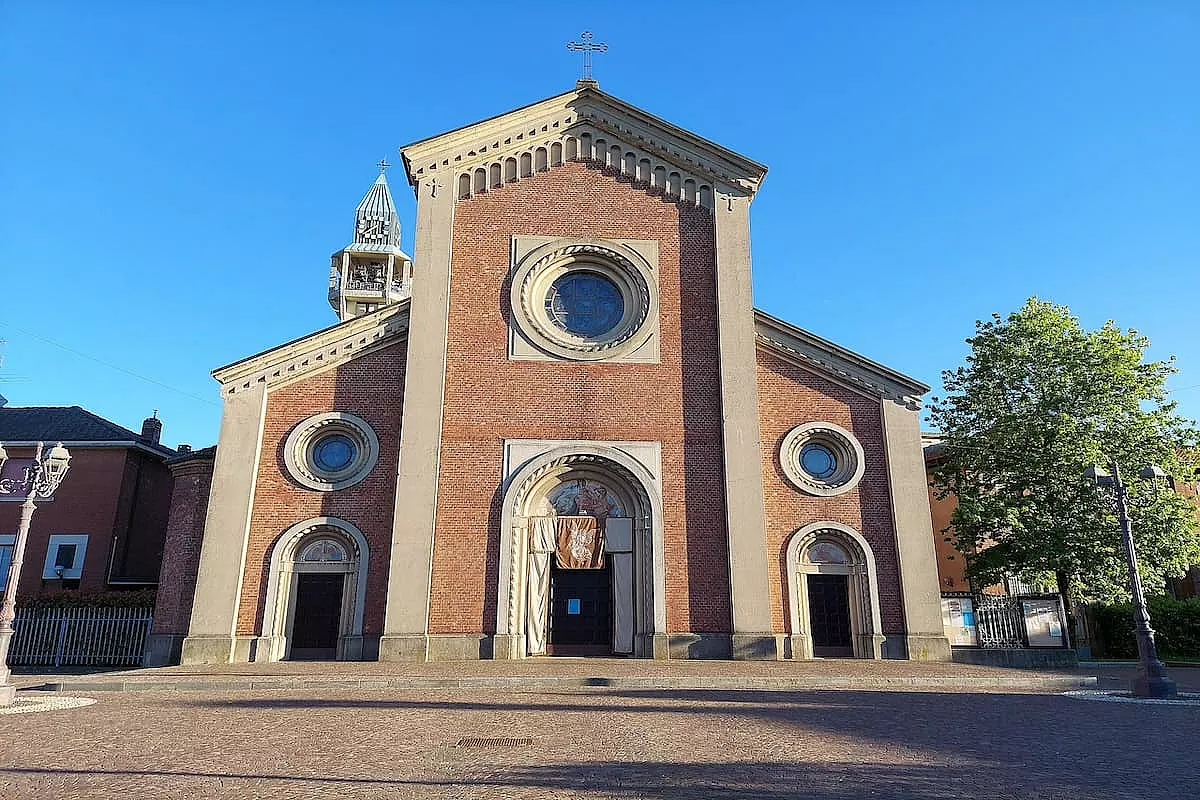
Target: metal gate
79,636
1000,622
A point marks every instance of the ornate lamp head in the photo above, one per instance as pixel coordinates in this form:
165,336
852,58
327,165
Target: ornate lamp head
1098,475
54,468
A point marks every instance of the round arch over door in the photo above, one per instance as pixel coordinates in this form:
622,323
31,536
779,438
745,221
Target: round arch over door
527,519
318,546
830,549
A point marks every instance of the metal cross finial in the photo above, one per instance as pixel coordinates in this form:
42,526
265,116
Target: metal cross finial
383,164
587,47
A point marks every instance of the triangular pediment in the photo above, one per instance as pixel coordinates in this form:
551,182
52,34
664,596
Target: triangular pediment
585,124
317,351
821,356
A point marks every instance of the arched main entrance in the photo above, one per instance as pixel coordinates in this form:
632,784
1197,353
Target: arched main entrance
833,594
316,592
557,596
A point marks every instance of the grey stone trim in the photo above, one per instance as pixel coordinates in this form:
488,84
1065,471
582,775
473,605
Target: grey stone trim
844,366
297,451
630,266
846,448
746,516
584,110
764,646
1025,658
317,351
699,645
226,529
917,560
403,647
411,563
162,649
458,647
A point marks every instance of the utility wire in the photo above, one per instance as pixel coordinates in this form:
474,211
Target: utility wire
110,365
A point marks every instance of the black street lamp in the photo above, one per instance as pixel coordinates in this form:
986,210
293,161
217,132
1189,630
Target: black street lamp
1151,679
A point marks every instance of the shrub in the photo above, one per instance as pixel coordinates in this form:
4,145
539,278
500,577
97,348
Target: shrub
137,598
1176,625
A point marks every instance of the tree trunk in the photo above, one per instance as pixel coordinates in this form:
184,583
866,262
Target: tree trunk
1064,592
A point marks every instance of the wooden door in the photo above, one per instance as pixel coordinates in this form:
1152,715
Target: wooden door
317,619
580,611
829,615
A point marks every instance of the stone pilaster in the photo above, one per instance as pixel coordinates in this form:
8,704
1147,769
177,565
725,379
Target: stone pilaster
405,635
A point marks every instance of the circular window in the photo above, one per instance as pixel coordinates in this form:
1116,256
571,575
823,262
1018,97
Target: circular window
331,451
334,453
822,459
818,461
584,301
586,304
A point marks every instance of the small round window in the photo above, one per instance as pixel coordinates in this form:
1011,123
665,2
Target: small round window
818,461
331,451
585,304
821,458
334,453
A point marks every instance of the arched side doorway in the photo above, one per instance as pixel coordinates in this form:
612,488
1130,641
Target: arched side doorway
316,593
833,594
550,486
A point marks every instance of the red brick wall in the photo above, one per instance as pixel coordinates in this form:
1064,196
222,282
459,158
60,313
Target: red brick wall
141,525
181,552
371,387
489,398
87,502
789,396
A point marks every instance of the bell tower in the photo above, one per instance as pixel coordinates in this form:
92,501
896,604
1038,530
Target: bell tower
373,271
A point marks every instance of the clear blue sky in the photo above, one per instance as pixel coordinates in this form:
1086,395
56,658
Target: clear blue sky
174,176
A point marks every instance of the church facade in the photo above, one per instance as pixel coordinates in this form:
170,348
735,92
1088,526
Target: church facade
561,427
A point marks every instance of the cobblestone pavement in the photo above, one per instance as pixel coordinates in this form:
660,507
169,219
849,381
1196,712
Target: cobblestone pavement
695,745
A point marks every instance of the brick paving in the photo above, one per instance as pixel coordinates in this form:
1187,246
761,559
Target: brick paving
596,743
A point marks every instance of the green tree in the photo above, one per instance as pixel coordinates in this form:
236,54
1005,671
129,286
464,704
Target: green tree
1038,401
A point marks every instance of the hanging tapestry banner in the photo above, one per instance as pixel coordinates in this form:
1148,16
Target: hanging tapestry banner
580,543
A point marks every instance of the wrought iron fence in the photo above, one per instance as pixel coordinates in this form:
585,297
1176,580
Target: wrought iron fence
85,636
999,622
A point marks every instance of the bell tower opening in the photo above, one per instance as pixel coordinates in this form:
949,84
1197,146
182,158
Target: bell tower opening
373,271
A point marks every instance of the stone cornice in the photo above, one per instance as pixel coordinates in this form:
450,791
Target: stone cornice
317,351
581,112
845,366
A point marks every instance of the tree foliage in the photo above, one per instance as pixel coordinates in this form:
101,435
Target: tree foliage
1038,401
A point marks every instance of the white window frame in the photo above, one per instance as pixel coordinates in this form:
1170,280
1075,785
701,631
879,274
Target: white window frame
76,571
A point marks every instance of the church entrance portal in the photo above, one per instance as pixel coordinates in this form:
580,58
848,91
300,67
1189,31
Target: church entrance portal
580,568
580,612
318,615
829,610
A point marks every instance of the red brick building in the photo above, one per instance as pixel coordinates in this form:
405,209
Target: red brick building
104,528
562,427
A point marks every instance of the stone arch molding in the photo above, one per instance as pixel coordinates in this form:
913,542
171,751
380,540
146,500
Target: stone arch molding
510,162
636,487
865,618
627,269
273,644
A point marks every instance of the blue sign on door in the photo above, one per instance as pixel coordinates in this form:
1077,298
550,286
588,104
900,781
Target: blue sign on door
573,605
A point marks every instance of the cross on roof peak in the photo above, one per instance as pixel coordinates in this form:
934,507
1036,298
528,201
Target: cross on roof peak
383,165
587,47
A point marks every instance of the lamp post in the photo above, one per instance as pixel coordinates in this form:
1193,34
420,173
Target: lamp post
40,481
1151,679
